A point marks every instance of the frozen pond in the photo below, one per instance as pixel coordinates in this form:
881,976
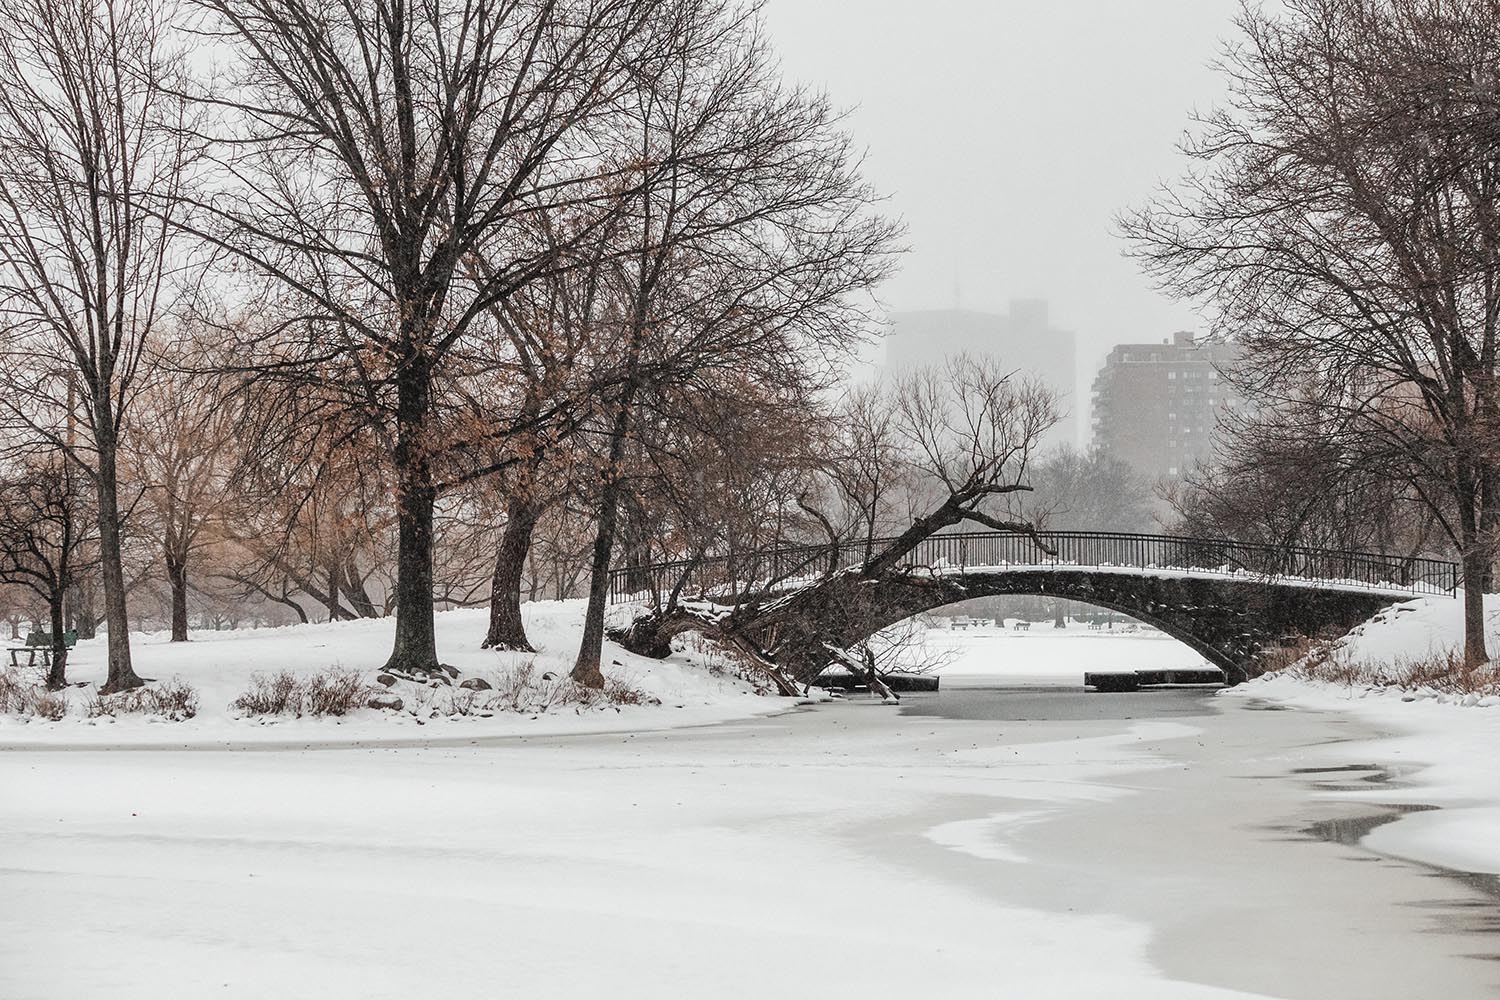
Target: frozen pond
1032,844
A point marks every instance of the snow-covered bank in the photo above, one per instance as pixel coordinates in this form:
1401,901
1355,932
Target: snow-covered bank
1443,743
687,689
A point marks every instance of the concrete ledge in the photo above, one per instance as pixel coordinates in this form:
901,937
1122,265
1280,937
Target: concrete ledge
1134,680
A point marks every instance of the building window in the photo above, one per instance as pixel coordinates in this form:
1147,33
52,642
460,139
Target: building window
1172,376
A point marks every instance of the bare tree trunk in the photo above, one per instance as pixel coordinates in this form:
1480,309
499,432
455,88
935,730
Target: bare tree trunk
353,589
121,675
507,630
177,577
57,673
81,611
586,669
331,600
873,681
1474,556
415,648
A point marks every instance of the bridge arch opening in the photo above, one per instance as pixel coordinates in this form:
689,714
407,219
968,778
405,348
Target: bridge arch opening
1029,640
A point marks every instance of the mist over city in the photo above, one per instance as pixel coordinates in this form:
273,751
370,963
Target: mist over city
738,498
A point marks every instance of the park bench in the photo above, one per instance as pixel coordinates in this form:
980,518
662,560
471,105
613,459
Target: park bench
40,642
1023,626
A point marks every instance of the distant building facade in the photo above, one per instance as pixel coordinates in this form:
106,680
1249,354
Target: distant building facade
1024,340
1157,406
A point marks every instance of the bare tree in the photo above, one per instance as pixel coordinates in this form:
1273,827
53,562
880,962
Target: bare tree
94,157
45,535
745,251
1344,226
1089,490
379,151
965,438
180,451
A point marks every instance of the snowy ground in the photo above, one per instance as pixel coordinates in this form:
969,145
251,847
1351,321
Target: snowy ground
693,688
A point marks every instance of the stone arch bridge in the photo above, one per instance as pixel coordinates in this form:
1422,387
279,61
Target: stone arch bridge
1229,601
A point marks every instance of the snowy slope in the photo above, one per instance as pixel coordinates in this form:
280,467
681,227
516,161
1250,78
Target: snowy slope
220,666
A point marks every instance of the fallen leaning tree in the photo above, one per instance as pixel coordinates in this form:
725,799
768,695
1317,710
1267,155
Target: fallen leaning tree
793,636
961,437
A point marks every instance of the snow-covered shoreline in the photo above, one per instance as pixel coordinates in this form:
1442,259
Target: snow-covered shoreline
1440,747
1441,753
688,689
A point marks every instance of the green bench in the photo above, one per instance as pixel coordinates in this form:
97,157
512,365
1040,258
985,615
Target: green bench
40,642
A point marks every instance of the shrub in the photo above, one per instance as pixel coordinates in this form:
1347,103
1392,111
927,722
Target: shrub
21,694
1444,672
277,694
327,692
334,692
50,705
174,700
16,695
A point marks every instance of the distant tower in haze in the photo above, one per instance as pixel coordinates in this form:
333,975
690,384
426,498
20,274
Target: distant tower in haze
1024,340
1157,406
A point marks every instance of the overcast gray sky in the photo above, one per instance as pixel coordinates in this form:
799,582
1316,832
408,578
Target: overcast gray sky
1009,132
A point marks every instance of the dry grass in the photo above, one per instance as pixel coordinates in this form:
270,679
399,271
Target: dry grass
721,661
174,699
522,689
332,692
1443,673
271,694
50,705
23,693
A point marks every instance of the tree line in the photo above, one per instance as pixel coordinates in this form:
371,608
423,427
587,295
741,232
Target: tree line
1340,221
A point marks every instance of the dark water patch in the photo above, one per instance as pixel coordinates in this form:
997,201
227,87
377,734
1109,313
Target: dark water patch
1352,830
1258,705
1479,914
1381,773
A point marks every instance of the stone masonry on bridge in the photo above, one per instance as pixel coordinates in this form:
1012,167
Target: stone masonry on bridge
1230,622
1229,601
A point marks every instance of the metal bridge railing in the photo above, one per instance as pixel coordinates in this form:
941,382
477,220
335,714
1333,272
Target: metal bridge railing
733,578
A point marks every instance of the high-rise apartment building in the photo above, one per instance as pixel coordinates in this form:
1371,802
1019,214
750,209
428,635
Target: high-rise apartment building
1157,406
1024,340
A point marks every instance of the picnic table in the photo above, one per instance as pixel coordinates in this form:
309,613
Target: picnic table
40,642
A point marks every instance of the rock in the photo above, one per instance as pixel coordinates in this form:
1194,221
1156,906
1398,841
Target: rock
476,684
386,700
452,672
385,679
549,676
